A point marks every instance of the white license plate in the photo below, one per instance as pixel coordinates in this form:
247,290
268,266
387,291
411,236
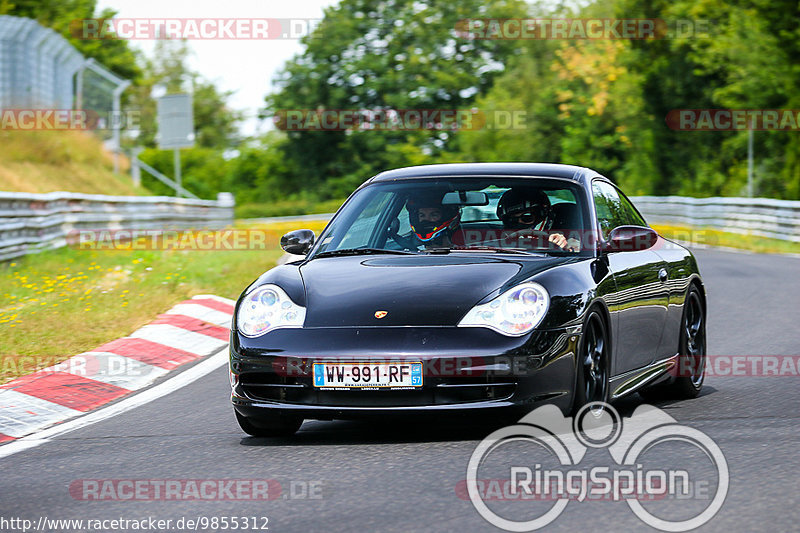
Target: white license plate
368,375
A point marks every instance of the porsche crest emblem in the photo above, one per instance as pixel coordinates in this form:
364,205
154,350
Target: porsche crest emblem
381,314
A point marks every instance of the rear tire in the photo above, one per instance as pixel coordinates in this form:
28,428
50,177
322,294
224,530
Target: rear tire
593,363
691,368
269,426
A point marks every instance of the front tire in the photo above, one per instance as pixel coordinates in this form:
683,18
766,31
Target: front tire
269,426
691,369
593,363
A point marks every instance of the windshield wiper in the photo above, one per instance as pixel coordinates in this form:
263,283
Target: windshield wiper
480,249
361,251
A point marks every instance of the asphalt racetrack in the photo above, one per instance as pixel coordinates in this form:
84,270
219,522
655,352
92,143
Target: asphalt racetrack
402,475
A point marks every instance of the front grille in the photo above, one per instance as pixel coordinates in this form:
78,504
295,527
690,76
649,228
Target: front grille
438,391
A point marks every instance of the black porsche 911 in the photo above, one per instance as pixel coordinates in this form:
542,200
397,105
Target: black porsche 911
468,287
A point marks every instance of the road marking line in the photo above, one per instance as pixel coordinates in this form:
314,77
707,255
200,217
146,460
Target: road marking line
201,312
191,375
193,324
126,372
148,352
175,337
67,390
21,414
230,303
189,331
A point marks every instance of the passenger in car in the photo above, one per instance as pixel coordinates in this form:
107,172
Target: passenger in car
433,224
527,213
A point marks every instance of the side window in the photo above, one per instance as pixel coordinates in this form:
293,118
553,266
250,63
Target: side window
362,228
611,211
613,208
405,224
634,218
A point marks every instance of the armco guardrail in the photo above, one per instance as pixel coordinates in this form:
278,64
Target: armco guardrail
30,223
779,219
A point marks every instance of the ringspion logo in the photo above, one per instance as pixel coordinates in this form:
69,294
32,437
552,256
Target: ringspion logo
566,441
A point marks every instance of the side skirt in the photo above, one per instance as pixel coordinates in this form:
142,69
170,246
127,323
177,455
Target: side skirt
629,382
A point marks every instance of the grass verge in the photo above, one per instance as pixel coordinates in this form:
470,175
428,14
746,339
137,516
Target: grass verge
286,208
47,161
63,302
712,237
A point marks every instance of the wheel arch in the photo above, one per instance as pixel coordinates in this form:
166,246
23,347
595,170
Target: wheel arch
701,288
600,305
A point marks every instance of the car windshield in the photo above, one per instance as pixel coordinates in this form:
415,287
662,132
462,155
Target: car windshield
450,215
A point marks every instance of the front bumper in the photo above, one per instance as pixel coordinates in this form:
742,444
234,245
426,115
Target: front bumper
464,370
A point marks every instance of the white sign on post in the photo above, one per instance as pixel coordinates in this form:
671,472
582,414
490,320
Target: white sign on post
175,128
175,122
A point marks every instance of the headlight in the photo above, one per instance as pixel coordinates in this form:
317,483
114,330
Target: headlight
513,313
267,308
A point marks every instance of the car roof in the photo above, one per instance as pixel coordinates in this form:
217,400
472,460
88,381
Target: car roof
550,170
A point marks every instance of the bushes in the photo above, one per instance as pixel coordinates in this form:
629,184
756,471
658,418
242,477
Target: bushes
203,171
263,184
285,208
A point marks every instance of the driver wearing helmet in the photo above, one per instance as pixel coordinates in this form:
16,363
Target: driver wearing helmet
432,222
528,211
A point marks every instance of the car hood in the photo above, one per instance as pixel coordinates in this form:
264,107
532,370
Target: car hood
412,290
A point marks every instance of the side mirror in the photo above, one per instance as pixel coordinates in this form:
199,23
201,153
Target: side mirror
631,239
298,242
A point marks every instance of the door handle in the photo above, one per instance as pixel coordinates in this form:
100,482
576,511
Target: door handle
662,274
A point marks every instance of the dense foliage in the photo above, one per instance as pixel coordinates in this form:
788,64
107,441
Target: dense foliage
600,103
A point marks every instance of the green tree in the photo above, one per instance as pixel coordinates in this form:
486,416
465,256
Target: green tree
216,124
753,56
374,54
581,103
604,103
